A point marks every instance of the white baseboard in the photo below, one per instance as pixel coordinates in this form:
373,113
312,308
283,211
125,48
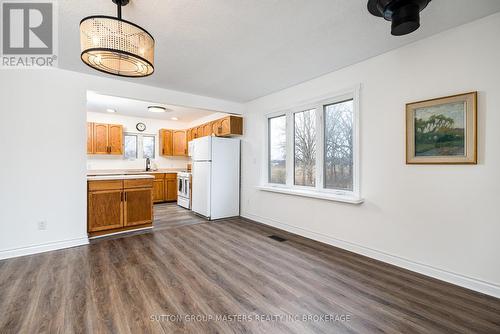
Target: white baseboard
487,288
9,253
121,232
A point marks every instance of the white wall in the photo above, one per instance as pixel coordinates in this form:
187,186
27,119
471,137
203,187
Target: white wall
443,221
152,127
43,150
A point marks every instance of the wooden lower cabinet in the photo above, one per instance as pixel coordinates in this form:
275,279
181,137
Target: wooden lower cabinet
138,208
119,205
105,210
158,190
171,188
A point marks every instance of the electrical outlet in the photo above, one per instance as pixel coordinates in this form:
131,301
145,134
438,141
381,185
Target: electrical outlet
42,225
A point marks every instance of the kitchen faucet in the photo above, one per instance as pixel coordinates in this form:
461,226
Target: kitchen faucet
148,164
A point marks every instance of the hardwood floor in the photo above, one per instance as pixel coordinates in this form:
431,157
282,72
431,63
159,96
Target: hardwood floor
231,267
170,215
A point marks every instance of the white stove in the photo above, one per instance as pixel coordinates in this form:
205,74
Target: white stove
184,189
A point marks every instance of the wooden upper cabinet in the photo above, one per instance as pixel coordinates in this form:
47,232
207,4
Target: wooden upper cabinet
100,136
215,127
189,135
166,142
179,143
115,139
105,138
138,206
230,125
90,139
207,129
200,131
225,126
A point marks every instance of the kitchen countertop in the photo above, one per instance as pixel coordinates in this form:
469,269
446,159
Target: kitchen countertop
119,177
98,172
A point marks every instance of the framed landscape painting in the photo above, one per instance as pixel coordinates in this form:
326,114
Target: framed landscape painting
442,131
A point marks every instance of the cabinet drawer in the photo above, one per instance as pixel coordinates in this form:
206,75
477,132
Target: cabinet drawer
159,175
138,183
171,176
105,185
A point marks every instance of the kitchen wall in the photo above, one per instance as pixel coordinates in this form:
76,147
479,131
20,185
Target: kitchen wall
443,221
129,123
43,167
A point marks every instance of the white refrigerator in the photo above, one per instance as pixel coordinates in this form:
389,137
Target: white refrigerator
216,177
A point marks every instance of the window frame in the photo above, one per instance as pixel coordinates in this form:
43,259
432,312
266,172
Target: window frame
131,134
318,191
154,145
268,147
140,144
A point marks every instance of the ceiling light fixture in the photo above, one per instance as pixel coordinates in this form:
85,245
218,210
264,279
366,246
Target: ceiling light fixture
174,119
157,109
404,14
116,46
110,110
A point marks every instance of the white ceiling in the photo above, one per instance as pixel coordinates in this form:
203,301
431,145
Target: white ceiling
243,49
129,107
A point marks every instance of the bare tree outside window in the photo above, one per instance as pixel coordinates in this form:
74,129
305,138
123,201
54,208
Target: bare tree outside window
277,149
130,147
338,169
305,148
148,147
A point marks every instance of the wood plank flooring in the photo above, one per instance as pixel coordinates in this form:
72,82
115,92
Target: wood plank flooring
187,267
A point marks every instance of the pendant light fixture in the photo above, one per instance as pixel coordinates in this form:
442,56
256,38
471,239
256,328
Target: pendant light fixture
116,46
404,14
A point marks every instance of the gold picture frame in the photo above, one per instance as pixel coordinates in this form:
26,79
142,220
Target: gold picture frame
442,130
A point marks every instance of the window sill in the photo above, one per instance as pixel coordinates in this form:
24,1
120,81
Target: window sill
313,194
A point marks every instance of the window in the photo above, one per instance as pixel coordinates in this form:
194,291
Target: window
148,147
317,155
139,146
304,143
277,149
130,146
338,125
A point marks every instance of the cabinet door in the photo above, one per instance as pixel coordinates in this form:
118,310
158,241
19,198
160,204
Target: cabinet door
179,143
200,131
105,210
171,187
100,136
215,127
189,135
194,133
236,125
207,129
115,139
166,142
158,190
90,141
225,127
138,208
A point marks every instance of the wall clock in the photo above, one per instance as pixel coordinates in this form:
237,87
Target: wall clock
140,127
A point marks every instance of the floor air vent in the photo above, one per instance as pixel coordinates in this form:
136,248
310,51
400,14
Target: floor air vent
275,237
